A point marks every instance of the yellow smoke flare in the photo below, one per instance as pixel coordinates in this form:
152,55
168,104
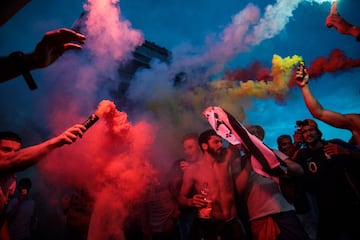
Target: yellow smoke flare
281,72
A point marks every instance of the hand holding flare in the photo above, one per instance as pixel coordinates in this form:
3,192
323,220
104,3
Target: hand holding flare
103,107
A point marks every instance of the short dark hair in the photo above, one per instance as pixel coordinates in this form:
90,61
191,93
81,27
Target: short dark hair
282,137
205,136
25,183
10,136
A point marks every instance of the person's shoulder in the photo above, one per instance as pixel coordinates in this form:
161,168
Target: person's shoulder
280,154
336,140
302,154
194,166
339,141
12,202
344,144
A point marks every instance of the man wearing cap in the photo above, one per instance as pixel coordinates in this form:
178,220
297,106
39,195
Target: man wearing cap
350,121
331,176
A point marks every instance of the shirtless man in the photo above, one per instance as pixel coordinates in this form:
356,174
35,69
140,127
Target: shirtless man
211,176
350,121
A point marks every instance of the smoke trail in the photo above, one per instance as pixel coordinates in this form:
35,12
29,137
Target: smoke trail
261,82
320,1
335,62
275,86
275,18
202,65
109,38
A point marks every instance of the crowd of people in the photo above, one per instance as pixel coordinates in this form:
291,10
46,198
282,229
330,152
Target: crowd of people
222,197
213,193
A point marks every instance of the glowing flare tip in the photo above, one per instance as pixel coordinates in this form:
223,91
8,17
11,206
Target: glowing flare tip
90,121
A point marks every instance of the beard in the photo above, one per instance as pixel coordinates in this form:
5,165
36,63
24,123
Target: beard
216,153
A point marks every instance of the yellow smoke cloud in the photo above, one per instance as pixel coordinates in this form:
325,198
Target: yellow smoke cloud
281,72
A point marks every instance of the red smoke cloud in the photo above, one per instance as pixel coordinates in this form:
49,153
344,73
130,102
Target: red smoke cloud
112,163
335,62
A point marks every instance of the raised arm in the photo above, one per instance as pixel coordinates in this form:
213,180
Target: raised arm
332,118
29,156
48,50
335,20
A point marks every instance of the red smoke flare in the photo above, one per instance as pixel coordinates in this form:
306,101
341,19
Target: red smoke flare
335,62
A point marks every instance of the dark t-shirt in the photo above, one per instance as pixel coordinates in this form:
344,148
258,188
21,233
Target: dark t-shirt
328,178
